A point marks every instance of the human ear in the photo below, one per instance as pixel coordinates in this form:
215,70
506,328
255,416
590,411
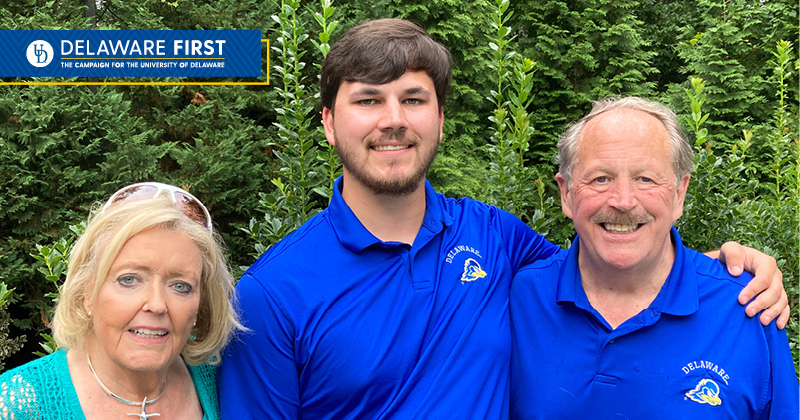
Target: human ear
327,124
566,205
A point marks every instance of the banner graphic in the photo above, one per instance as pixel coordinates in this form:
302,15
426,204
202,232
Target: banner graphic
106,53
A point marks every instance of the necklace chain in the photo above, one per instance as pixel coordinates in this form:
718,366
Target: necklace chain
120,399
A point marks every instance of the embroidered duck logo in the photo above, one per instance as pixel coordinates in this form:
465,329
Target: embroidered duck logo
472,271
706,392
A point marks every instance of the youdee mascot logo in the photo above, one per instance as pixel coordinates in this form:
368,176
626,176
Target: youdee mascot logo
39,53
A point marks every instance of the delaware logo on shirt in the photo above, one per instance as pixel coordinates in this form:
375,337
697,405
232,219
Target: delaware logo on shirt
472,271
472,268
706,392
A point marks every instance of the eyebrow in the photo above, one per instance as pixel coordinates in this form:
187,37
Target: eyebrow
136,267
416,91
369,91
366,91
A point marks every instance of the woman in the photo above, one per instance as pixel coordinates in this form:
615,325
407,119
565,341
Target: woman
144,312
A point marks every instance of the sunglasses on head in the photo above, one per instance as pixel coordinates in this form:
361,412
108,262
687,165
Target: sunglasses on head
187,203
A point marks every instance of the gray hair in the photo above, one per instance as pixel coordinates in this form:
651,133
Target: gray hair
680,151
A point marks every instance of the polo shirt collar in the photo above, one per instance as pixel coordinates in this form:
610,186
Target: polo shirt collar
678,296
355,237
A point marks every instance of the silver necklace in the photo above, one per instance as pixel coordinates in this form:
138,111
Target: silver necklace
143,415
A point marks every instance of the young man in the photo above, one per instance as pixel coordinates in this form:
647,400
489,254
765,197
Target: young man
393,301
628,323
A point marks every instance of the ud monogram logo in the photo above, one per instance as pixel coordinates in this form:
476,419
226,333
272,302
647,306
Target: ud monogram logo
39,53
706,392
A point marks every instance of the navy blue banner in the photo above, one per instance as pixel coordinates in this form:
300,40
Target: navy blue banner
103,53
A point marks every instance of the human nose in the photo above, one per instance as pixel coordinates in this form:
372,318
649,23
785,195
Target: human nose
155,301
623,195
393,116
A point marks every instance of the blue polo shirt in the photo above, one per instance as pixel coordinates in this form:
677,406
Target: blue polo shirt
345,326
692,354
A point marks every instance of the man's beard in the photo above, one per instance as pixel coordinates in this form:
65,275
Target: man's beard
388,187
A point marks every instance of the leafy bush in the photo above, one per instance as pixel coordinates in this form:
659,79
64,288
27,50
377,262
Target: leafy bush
727,201
8,346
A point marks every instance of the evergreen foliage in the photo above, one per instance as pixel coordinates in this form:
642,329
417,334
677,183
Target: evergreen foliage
584,50
728,48
518,187
307,169
8,346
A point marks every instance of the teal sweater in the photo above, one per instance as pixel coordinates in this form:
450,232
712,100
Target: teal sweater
43,390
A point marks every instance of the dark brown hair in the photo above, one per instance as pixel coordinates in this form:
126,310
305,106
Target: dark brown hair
379,51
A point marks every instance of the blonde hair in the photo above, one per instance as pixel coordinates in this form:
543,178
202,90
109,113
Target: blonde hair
95,251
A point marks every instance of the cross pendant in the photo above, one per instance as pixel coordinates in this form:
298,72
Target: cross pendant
144,415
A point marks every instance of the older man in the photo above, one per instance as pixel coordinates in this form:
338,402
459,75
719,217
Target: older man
628,323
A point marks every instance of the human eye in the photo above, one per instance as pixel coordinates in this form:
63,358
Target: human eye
645,180
182,287
413,101
367,102
601,179
128,280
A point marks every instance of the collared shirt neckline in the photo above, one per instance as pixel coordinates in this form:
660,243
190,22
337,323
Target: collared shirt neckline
355,237
678,296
